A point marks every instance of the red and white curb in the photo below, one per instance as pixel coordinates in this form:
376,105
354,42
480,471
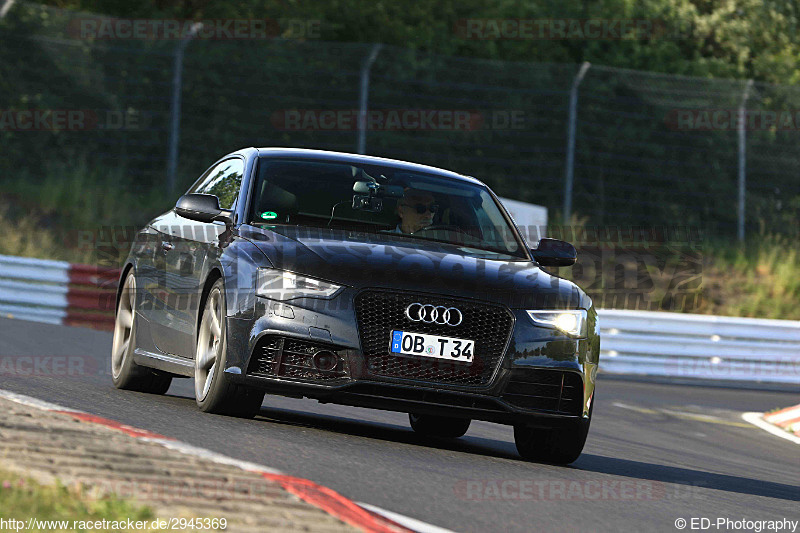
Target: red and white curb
784,423
362,516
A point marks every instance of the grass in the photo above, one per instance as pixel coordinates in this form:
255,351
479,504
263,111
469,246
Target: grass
761,279
22,498
61,217
71,211
84,197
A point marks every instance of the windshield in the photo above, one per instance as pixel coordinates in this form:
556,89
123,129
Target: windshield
382,199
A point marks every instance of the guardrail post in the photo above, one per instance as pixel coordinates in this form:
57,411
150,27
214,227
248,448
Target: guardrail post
570,163
742,160
175,106
363,95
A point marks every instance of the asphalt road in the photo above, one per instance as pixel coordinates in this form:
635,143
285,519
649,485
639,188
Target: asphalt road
655,453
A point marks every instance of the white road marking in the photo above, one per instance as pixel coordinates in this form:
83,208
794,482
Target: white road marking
405,521
34,402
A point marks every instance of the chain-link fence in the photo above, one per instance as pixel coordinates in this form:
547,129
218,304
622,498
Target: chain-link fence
649,149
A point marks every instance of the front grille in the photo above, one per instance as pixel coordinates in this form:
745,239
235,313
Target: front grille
546,390
288,357
380,312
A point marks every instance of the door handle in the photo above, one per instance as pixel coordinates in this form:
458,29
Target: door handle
167,246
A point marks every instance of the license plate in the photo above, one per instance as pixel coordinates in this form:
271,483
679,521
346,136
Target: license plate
433,346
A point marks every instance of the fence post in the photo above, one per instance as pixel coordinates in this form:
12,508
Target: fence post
742,160
175,106
6,8
570,163
362,98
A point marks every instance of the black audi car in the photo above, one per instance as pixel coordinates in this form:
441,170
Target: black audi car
359,281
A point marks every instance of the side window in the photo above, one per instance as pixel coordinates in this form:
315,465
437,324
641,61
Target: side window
223,181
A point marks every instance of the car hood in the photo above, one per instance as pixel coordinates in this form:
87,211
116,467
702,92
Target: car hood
362,260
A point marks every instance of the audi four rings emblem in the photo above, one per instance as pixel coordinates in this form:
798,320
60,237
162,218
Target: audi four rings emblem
434,314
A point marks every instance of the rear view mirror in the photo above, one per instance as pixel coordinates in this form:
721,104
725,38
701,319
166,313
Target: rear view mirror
366,187
369,195
555,253
373,188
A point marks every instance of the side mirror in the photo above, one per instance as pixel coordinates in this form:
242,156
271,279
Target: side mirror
202,208
555,253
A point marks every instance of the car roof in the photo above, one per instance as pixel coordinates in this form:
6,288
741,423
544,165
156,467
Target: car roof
344,157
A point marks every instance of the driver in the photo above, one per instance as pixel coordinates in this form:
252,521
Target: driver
416,210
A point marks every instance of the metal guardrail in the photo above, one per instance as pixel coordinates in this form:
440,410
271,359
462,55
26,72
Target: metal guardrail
639,343
706,347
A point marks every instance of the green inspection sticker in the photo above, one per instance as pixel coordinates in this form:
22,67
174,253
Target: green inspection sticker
269,215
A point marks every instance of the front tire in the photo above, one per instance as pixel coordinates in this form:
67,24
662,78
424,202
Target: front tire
560,446
124,372
442,427
213,389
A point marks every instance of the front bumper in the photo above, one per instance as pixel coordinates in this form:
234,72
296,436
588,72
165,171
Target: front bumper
543,377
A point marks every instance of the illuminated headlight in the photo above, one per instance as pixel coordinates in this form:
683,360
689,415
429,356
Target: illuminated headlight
570,322
282,285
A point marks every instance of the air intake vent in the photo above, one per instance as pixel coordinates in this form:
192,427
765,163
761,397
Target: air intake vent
294,358
546,390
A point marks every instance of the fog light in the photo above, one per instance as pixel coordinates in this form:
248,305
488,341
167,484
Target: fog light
325,360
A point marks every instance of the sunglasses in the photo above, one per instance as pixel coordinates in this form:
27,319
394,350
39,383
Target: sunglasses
421,208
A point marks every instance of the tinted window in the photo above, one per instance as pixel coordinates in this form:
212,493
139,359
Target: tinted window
223,181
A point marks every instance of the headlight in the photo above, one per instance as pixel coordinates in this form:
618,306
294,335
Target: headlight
570,322
282,285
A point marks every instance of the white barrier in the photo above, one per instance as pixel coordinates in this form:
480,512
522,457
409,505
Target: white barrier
33,289
677,345
56,292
